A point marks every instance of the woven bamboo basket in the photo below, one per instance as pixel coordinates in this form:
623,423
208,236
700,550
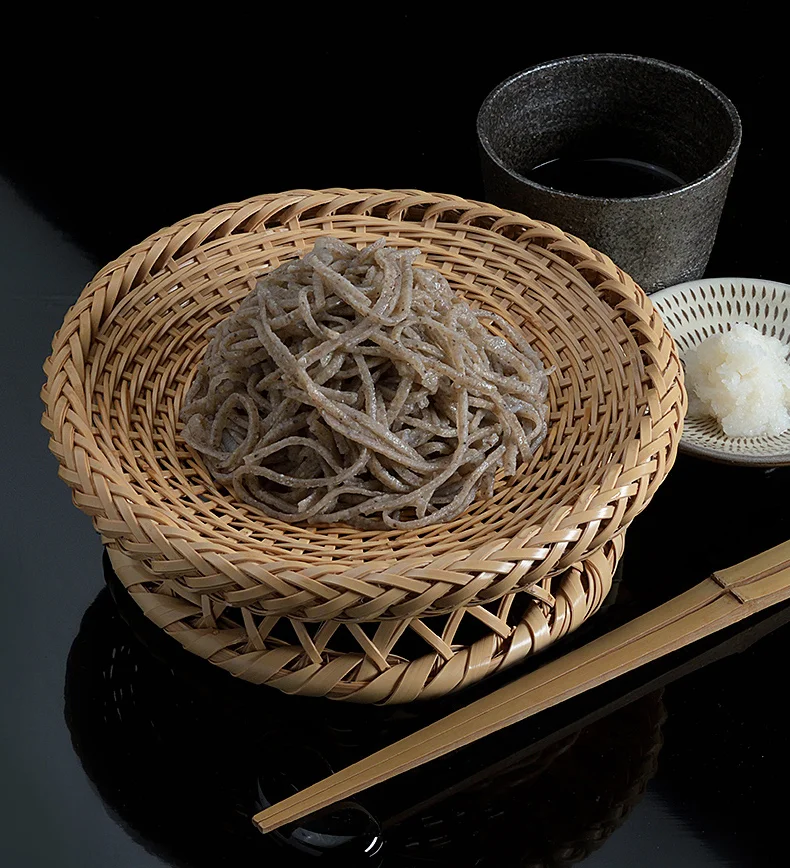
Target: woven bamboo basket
385,662
129,347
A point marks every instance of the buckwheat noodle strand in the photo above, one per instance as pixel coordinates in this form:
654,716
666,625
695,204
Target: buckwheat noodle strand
351,386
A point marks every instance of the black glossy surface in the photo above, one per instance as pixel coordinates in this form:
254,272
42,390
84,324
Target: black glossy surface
111,755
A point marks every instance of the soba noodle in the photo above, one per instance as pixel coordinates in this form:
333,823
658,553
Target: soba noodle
351,386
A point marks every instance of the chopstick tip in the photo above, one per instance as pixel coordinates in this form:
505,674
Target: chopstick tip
264,823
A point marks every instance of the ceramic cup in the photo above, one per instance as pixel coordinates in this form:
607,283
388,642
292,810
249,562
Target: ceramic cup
616,107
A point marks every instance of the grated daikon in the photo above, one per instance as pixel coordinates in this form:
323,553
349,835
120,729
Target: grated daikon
741,377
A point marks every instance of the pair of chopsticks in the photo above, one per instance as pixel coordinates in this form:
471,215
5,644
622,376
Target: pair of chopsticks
723,599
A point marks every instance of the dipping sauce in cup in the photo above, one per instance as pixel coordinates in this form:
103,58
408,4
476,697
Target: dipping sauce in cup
630,154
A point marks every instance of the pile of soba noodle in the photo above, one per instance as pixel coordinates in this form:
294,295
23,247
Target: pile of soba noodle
350,386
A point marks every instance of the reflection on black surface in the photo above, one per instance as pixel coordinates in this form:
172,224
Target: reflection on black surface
344,831
704,517
552,806
183,754
727,760
183,766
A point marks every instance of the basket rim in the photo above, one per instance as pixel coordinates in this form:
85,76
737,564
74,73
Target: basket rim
72,342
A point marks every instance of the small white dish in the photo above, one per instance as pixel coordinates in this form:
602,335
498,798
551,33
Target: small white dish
698,309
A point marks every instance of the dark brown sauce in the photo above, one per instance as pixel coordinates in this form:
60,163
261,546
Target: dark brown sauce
607,177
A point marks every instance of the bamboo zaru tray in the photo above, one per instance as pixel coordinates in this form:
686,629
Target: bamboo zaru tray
220,576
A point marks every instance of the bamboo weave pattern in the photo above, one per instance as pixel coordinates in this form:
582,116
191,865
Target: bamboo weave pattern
128,349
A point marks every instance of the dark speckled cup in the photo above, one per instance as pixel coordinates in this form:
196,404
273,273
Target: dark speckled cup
616,106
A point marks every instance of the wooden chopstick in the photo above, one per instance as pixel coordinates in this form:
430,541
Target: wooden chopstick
723,599
726,646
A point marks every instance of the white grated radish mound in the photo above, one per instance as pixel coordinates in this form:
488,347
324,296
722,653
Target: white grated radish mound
743,379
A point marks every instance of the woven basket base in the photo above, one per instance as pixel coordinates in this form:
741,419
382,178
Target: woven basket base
377,662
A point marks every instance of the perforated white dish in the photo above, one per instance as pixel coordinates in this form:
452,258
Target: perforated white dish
698,309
